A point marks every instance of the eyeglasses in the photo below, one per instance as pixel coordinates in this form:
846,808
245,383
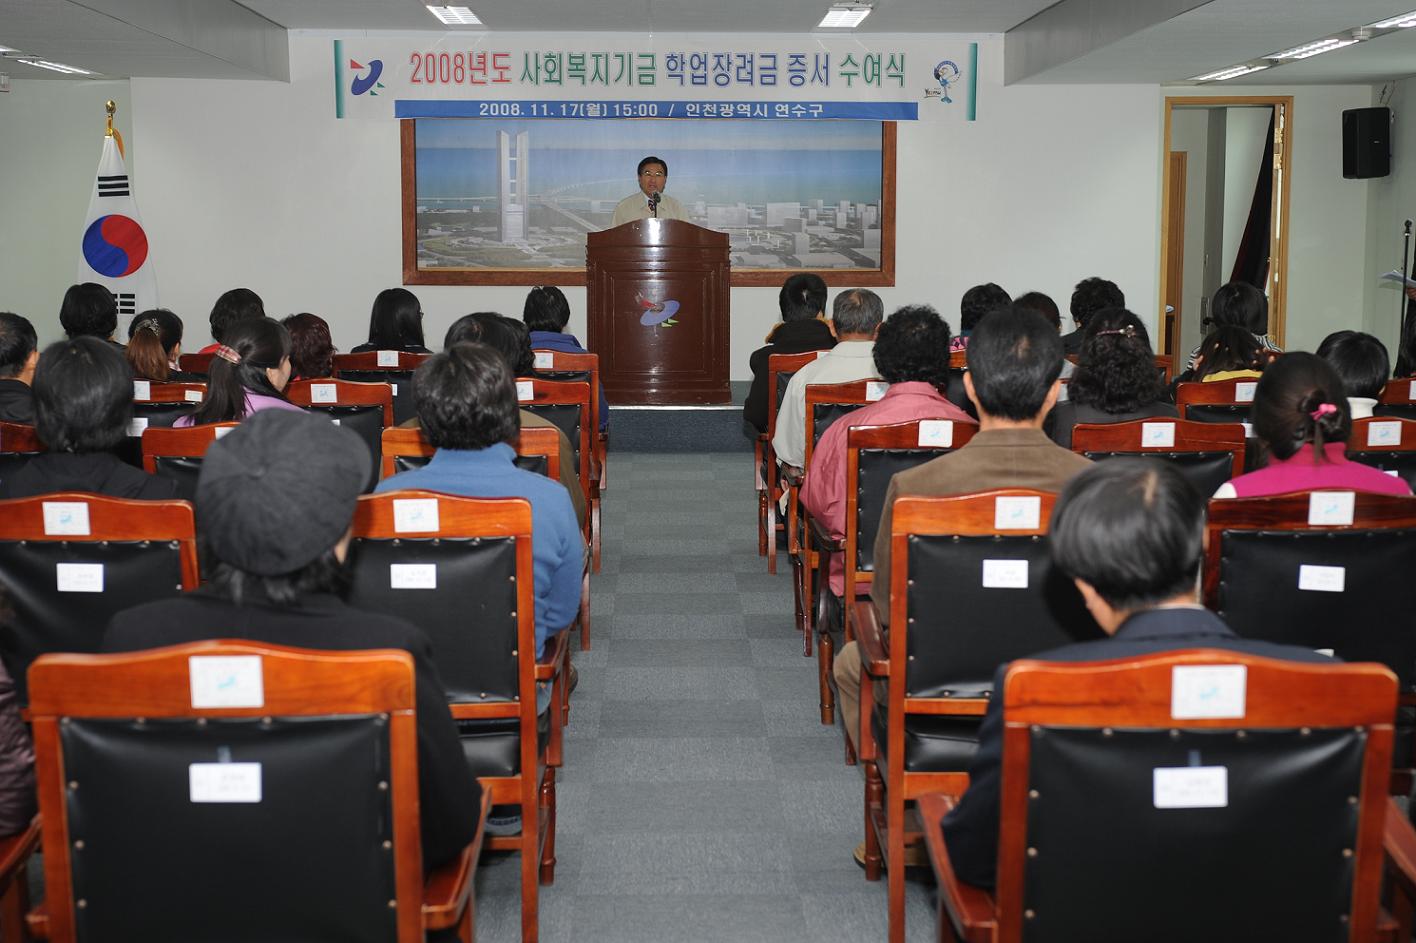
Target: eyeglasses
653,173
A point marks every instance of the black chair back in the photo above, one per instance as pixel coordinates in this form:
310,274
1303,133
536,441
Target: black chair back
877,467
404,408
567,417
366,420
183,469
1205,470
532,463
823,414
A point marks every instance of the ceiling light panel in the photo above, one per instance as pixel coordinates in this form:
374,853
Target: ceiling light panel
844,16
55,67
455,16
1404,21
1312,49
1232,73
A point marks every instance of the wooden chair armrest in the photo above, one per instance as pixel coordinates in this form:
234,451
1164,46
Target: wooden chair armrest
549,664
448,890
1399,843
971,909
871,639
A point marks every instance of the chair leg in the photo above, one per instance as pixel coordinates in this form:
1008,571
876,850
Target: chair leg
548,810
530,860
595,533
874,796
825,656
808,597
585,613
895,863
771,534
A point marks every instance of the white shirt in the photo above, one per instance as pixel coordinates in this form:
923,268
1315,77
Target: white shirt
636,206
847,361
1360,407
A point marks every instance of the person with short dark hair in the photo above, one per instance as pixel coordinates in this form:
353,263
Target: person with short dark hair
275,509
546,314
651,200
1116,378
1229,352
83,405
19,352
395,323
1361,362
311,347
1090,296
1043,305
233,307
1130,534
89,310
802,304
247,375
977,302
1238,304
1300,414
154,346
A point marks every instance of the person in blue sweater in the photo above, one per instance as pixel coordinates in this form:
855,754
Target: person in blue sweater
546,314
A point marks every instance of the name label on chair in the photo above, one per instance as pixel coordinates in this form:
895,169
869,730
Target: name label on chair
78,577
1200,692
415,515
1322,579
875,390
823,353
1062,394
525,391
545,360
224,782
1411,392
324,393
388,358
192,396
226,681
137,425
936,432
1005,574
1332,508
1017,512
413,576
1248,429
1190,787
1244,392
142,389
66,519
1384,433
1157,435
223,431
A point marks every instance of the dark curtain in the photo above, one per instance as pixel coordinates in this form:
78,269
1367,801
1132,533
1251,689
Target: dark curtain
1251,263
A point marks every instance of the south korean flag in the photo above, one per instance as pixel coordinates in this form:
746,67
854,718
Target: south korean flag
115,247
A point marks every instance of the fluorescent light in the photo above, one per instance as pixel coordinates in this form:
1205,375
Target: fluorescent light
1230,73
844,16
55,66
455,16
1312,49
5,49
1403,21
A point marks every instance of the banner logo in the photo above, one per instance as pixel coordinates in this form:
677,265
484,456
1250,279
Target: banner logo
364,83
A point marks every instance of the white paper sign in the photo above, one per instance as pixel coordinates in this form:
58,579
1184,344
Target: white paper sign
1005,574
938,433
1191,787
1158,435
1411,393
1334,508
545,360
192,396
1322,579
394,387
823,353
388,358
66,519
324,393
1062,394
1244,392
1248,429
137,425
1392,472
335,421
222,431
875,390
226,681
412,576
1207,691
415,515
1017,512
142,389
79,577
225,782
1384,433
525,391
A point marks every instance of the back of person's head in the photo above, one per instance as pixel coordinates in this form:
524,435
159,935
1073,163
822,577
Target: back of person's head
89,310
466,398
803,297
1014,357
1242,305
1092,295
168,327
1359,359
1043,305
147,353
857,311
978,301
1229,347
240,365
234,306
396,320
913,345
546,309
17,342
83,396
311,347
523,363
1300,399
1406,349
506,336
274,500
1116,369
1133,529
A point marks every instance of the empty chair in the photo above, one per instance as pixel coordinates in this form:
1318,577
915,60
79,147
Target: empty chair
1397,399
160,404
1218,401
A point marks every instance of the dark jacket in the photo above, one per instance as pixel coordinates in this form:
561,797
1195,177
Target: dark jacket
1066,415
94,472
449,796
407,349
790,337
16,402
17,798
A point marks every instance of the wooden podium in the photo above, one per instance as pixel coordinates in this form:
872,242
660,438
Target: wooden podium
658,312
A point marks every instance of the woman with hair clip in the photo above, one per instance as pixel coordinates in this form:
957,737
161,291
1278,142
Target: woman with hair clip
154,344
395,323
1116,378
248,374
1300,414
1228,353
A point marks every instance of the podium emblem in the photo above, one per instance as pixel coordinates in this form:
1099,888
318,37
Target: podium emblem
657,313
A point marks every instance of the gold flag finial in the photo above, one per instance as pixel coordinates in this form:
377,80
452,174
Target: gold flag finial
110,106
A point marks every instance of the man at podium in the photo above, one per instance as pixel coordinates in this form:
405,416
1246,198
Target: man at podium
651,201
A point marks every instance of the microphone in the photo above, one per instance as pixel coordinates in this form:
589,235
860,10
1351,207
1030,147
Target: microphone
654,205
1408,227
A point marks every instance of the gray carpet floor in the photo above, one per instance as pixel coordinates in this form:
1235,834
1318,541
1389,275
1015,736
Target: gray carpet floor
701,798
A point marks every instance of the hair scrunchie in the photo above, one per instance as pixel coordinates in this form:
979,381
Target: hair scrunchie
228,354
1324,409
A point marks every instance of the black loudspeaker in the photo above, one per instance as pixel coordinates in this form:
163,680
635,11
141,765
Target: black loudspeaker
1366,142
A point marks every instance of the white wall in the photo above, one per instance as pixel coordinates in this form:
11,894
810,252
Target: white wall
1245,140
1390,201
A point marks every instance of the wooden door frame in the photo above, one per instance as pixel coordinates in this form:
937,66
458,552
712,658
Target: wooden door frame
1280,212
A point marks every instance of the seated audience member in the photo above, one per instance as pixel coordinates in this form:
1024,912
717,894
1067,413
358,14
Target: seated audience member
1238,304
1406,348
1045,306
248,375
803,328
855,316
17,797
545,314
912,355
1228,353
233,307
83,403
977,301
1015,357
1130,535
154,345
1090,296
466,402
311,348
395,323
89,310
19,352
1361,363
275,504
1116,378
1300,414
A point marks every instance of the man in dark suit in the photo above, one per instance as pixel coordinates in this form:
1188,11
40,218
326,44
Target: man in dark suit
1130,534
802,301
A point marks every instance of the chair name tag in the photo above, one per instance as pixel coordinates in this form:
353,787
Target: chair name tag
1248,429
415,515
1333,508
335,421
395,388
137,426
1384,433
388,358
324,393
1190,787
79,577
936,432
223,431
1206,692
413,576
226,681
545,360
66,519
525,391
1411,391
1244,392
1005,574
1322,579
224,782
1017,512
1062,395
142,389
823,353
192,396
1157,435
875,390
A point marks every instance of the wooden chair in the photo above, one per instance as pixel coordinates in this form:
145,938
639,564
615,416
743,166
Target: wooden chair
195,363
394,367
15,853
972,587
1397,399
470,559
1208,453
160,404
18,443
565,366
71,560
319,755
570,406
1385,443
177,453
365,408
1276,835
780,370
1220,401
